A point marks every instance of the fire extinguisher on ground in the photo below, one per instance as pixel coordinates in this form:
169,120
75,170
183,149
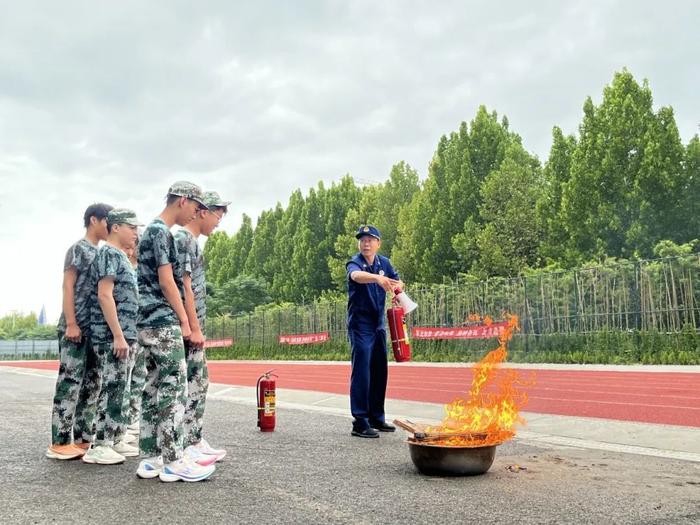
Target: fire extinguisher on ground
400,345
267,397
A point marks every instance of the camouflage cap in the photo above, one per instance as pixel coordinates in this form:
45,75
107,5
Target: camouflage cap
122,216
182,188
213,200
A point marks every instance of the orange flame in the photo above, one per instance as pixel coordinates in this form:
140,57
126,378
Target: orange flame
489,415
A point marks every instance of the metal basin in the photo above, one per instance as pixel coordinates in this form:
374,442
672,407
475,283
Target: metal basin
435,460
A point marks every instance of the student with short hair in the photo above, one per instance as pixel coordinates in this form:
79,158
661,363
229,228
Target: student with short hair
192,266
71,421
162,325
113,312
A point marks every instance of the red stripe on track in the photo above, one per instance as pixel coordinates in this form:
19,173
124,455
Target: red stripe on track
671,398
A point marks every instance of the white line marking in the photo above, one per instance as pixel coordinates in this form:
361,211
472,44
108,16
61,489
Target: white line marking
610,447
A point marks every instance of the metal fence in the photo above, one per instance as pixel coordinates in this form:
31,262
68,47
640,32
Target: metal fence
20,349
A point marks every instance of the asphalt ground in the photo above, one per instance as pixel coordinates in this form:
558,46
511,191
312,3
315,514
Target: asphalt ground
310,470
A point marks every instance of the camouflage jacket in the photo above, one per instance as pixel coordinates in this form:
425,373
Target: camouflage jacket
156,248
112,262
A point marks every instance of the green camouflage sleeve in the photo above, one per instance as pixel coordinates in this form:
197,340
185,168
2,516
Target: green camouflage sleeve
160,247
184,251
106,265
76,258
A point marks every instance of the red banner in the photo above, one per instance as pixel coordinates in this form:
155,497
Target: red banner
462,332
217,343
303,339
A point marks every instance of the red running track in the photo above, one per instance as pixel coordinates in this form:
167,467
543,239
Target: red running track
671,398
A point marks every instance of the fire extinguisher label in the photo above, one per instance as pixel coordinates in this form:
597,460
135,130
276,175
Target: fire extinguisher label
269,402
405,333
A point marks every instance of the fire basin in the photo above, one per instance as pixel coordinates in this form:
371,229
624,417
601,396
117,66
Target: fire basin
437,460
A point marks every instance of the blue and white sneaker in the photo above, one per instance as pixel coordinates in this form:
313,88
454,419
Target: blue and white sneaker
184,469
150,468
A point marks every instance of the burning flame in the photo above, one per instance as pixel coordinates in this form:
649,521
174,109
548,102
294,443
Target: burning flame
489,415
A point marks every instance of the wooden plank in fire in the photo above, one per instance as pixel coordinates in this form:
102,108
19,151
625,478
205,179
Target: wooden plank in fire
420,434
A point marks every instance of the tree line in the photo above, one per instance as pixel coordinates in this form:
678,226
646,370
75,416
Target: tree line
623,187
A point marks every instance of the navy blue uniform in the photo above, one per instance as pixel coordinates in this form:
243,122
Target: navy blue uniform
368,341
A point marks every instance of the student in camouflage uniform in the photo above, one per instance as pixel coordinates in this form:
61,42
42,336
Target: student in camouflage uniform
113,311
136,377
192,266
74,343
162,326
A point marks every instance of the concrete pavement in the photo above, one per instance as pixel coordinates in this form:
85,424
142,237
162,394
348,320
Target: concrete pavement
310,470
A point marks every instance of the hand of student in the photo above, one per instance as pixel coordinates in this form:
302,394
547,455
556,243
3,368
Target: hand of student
186,332
73,333
197,338
120,348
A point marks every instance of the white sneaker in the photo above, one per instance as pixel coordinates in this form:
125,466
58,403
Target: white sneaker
150,467
198,457
126,450
185,469
129,438
103,455
205,448
133,429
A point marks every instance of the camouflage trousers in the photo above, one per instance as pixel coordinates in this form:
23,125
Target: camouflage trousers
197,386
134,386
110,422
75,397
164,393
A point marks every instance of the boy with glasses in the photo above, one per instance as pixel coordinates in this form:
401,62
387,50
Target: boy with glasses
192,265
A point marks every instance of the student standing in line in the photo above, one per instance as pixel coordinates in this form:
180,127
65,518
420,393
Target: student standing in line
75,381
192,265
162,325
113,312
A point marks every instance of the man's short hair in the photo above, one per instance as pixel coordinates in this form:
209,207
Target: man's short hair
99,210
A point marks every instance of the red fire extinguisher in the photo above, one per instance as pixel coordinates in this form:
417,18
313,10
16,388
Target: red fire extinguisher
266,395
400,344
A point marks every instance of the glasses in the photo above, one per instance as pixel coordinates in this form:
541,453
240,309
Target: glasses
217,215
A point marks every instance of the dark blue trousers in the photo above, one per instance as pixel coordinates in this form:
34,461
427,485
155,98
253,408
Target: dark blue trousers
369,376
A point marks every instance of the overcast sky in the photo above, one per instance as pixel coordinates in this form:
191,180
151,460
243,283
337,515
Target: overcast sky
113,101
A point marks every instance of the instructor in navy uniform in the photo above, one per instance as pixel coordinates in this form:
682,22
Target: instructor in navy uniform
370,277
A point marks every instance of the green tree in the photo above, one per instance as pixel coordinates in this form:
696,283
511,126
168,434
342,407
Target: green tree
443,215
508,242
556,174
238,295
259,261
626,175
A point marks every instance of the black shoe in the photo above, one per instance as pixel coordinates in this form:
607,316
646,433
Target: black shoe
366,433
383,427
